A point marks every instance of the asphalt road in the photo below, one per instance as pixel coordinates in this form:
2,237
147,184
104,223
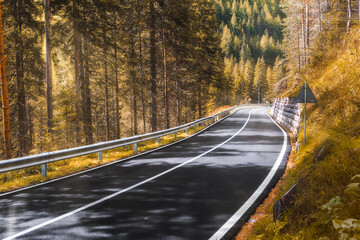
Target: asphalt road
202,188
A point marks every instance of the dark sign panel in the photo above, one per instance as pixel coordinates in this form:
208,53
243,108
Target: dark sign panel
305,92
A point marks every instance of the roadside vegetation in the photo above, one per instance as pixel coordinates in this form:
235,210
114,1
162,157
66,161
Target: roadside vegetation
107,70
327,199
134,68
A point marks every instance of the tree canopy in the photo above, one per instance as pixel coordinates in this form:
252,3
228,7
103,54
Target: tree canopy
119,68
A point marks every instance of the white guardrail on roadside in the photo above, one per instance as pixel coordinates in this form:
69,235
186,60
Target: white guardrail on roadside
45,158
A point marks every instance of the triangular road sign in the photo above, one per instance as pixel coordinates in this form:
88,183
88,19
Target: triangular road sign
305,91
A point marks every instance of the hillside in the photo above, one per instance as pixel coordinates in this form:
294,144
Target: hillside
326,204
251,40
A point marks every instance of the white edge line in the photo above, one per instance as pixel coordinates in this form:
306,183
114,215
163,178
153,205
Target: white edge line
120,160
232,221
122,191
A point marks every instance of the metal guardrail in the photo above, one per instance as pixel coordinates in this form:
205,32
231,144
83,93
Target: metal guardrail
45,158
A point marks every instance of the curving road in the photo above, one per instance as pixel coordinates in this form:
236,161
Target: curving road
202,188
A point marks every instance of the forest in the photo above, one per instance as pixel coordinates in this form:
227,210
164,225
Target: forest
320,45
87,71
251,43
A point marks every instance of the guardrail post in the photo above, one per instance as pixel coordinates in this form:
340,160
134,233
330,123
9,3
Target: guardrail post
135,148
100,147
100,157
44,170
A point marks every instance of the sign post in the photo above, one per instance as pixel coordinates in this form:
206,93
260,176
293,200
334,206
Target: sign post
305,113
305,96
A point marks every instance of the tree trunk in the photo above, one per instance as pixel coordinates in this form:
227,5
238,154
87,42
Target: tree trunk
142,84
349,16
320,21
199,100
86,98
116,82
131,117
49,82
299,52
142,80
153,67
4,95
166,98
106,99
31,126
96,119
307,31
186,109
178,101
20,85
303,34
134,86
78,63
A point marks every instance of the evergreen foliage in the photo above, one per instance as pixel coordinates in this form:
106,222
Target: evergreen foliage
321,45
119,68
250,31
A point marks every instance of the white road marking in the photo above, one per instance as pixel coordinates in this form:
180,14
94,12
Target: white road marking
232,221
124,190
120,160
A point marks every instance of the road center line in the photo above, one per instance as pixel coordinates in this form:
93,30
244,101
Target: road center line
124,190
236,217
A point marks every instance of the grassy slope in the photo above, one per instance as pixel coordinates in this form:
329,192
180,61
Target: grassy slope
336,83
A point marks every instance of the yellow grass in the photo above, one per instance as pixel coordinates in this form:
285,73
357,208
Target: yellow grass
336,119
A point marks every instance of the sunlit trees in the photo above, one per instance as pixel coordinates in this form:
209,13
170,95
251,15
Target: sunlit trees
4,94
260,79
119,68
25,68
250,30
311,27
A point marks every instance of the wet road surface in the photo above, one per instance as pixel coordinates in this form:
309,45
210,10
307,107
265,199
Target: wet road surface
203,187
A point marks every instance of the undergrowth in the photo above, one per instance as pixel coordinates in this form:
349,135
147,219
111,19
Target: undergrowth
327,200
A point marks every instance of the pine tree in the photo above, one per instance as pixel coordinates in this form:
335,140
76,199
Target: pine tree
249,81
4,94
270,80
226,41
152,26
260,79
25,63
49,81
279,69
107,60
